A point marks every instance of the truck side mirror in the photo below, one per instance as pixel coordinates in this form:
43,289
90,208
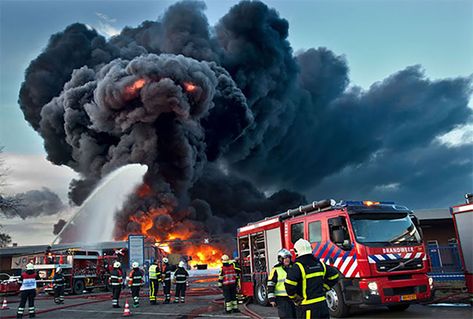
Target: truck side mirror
338,236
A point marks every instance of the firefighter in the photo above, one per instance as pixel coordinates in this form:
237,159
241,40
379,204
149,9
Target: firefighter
237,267
135,281
277,294
228,282
166,276
28,291
180,278
307,280
154,279
58,285
116,281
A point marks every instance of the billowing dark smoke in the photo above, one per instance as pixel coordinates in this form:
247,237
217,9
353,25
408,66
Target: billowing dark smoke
34,203
220,113
58,226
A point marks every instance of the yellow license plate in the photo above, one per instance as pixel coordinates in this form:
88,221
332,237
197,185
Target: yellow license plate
408,297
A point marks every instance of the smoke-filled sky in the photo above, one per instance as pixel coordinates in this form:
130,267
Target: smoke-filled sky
328,99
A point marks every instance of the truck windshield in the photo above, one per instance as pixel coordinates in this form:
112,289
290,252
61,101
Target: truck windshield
385,229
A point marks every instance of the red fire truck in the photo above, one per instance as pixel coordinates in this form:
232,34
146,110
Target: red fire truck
376,246
83,270
463,221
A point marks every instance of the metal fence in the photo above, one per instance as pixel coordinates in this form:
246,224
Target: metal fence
445,262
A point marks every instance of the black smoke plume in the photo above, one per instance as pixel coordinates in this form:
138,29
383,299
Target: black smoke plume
221,113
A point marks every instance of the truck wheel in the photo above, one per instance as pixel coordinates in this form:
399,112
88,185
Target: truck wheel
398,307
78,287
336,305
261,294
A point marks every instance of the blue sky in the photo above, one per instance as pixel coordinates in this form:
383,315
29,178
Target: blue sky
377,38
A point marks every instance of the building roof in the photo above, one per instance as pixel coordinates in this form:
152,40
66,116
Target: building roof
433,213
38,249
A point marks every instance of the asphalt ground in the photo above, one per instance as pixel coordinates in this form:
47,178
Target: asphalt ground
202,301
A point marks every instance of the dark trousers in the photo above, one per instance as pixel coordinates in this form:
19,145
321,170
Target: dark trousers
167,289
286,308
316,310
59,294
135,293
229,293
180,291
116,290
29,295
153,290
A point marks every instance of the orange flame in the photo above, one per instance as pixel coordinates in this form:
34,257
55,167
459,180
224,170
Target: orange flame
190,87
144,191
137,85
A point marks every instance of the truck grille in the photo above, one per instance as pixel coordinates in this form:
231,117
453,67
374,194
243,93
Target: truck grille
387,265
404,290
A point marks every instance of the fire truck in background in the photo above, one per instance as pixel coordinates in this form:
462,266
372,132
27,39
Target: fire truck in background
463,221
376,246
83,270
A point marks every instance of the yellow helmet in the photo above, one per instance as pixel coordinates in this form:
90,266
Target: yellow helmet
225,258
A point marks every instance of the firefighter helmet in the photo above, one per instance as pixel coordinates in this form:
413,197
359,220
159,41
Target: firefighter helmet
182,264
165,260
29,266
135,264
284,253
58,269
302,247
117,264
225,258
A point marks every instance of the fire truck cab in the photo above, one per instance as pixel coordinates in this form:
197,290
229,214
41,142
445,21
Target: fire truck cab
376,247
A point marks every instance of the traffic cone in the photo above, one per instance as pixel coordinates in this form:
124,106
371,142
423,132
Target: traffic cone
126,311
5,305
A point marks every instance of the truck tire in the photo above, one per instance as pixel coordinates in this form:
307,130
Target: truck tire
401,307
335,302
78,287
261,294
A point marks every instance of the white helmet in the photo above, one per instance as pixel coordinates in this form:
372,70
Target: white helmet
116,264
225,258
284,253
58,269
30,266
182,264
165,260
302,247
135,264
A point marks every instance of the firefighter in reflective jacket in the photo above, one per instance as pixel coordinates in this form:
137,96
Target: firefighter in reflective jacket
58,285
166,276
154,280
228,282
180,278
307,281
135,281
28,291
277,294
116,281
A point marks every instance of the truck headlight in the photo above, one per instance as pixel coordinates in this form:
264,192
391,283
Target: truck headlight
373,287
431,282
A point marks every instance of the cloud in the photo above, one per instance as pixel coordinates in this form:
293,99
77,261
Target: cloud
35,203
30,172
105,26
